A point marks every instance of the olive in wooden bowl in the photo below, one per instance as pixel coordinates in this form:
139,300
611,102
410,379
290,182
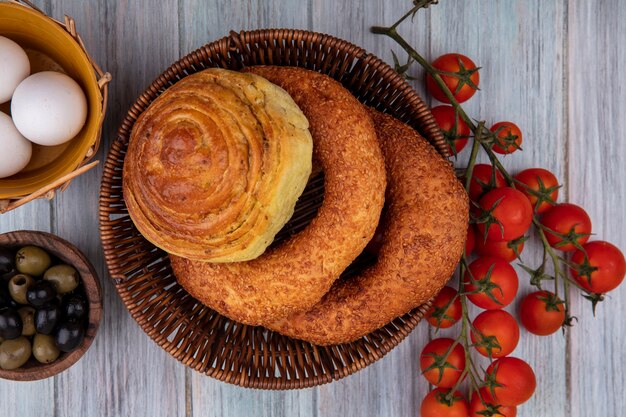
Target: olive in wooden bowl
50,305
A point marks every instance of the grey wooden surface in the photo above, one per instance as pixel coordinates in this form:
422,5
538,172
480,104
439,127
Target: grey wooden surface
554,67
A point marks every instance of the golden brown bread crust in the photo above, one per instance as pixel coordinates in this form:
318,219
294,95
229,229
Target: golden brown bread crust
426,219
296,274
215,166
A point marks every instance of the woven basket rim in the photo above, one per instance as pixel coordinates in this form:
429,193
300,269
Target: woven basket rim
102,78
110,202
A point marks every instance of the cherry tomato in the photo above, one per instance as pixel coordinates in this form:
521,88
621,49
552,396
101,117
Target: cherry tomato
445,312
463,83
542,313
538,182
503,250
610,264
437,404
470,241
569,220
482,176
495,329
496,290
441,366
454,129
513,381
509,137
511,214
478,407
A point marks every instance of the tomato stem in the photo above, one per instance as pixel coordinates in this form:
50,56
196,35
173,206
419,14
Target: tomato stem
470,165
484,139
470,368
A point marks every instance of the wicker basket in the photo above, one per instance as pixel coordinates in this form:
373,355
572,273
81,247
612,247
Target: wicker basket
55,44
196,335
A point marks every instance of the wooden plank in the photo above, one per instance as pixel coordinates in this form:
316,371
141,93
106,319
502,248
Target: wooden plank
392,386
124,373
522,47
28,398
519,45
596,152
201,23
204,22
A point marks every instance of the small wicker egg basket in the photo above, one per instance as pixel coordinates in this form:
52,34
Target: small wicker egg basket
53,45
196,335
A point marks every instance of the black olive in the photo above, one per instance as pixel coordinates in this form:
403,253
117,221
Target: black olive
5,297
47,318
7,261
41,293
74,307
10,323
69,335
5,278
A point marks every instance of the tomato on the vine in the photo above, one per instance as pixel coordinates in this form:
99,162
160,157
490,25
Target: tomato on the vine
488,407
508,251
470,241
510,381
539,186
495,283
495,332
441,402
566,223
603,269
446,309
508,137
484,178
441,364
542,313
460,75
508,214
454,129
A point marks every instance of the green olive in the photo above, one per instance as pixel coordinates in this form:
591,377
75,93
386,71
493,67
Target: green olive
18,286
32,260
28,320
44,348
64,277
14,353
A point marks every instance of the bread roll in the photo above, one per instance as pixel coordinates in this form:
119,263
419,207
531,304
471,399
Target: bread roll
425,226
295,274
215,166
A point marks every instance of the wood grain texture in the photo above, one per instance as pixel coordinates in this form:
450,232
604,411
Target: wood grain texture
546,65
201,23
33,216
597,104
521,81
124,373
392,386
27,399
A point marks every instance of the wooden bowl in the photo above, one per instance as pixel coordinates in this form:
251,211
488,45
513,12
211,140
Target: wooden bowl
69,254
193,333
56,46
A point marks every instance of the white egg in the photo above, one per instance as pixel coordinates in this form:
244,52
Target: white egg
14,68
49,108
15,149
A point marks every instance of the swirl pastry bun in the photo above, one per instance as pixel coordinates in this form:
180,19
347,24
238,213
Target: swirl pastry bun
215,166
